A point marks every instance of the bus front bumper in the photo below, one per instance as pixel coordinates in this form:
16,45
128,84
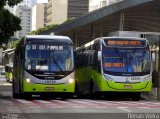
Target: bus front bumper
28,87
126,87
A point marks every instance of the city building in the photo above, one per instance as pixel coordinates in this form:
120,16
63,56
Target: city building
39,14
60,10
24,13
77,8
57,11
29,3
96,4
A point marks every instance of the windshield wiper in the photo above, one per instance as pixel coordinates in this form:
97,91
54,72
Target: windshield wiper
60,68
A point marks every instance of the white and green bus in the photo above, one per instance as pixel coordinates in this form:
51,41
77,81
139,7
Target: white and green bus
43,64
110,65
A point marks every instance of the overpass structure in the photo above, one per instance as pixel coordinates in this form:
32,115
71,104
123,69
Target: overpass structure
129,15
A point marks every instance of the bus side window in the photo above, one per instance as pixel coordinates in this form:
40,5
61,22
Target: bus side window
92,58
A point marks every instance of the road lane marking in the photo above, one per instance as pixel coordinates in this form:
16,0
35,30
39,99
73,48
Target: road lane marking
125,109
144,107
43,101
60,101
24,101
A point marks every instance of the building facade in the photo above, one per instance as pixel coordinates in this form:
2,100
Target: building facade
39,14
77,8
24,13
97,4
29,3
60,10
56,11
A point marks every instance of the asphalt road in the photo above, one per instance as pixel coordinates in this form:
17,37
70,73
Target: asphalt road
37,108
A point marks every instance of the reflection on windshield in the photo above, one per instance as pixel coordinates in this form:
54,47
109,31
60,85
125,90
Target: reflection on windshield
126,60
46,59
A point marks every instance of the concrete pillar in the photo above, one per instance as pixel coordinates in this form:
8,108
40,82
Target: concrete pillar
101,32
93,32
121,22
158,89
75,39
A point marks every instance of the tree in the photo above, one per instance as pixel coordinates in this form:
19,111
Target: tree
8,22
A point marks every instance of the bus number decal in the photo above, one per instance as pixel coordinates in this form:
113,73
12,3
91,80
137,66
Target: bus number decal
50,81
114,64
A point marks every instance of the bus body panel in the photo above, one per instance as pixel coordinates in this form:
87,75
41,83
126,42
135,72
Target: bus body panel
90,75
21,81
48,88
101,84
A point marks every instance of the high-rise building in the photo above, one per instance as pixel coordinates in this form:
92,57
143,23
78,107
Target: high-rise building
77,8
39,14
24,13
57,11
29,3
60,10
96,4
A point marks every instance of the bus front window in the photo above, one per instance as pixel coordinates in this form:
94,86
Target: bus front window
126,60
44,58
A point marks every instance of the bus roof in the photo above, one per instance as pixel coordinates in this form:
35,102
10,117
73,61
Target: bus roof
119,37
50,38
46,37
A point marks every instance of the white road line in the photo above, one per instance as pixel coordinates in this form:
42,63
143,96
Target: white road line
78,106
43,101
57,106
52,104
99,107
24,101
125,109
93,101
80,101
60,101
34,107
144,107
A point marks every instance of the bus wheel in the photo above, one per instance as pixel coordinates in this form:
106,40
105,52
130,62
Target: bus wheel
27,96
15,95
91,89
136,96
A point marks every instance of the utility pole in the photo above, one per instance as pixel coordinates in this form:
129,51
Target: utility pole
158,88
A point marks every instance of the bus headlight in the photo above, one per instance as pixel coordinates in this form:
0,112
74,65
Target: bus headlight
70,81
28,80
147,78
108,78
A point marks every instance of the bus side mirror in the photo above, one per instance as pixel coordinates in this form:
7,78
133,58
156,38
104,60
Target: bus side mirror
99,55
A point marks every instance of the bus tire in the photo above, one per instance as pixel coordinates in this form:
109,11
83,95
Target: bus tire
15,95
91,88
136,96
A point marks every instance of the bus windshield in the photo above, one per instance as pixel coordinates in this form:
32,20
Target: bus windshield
48,58
126,61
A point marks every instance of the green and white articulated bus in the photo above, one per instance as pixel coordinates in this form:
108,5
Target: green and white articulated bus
109,65
43,64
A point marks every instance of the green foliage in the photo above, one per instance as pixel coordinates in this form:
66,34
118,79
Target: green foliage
11,3
43,29
69,20
8,22
12,43
46,28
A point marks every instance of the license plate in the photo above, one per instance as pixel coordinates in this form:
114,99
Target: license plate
127,86
49,88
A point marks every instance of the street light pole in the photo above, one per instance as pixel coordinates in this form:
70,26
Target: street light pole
158,88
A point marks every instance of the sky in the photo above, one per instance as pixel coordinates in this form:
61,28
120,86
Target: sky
42,1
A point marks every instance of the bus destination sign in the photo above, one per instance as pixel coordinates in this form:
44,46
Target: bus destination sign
125,43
